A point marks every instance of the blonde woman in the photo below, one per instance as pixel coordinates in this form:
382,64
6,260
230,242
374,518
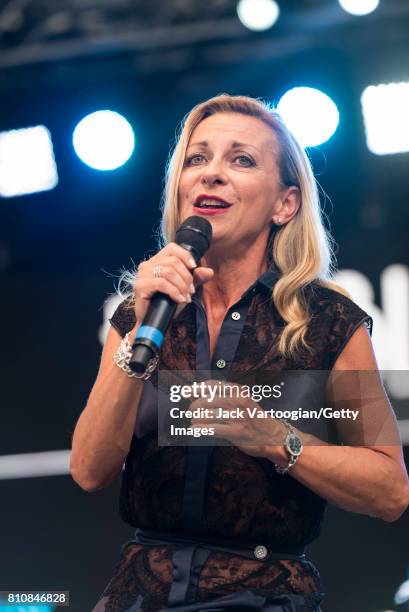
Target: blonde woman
225,527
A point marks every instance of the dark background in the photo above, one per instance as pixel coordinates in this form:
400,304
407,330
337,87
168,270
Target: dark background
59,249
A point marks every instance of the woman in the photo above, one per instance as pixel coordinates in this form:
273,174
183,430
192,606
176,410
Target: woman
225,527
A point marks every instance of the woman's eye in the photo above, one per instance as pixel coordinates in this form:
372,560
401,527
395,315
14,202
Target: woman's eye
195,159
244,160
198,158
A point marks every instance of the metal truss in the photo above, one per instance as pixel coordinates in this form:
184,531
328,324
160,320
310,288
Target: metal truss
164,32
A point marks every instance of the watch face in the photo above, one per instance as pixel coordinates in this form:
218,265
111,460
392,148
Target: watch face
294,444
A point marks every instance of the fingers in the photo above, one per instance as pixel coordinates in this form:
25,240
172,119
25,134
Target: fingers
176,271
146,288
184,255
173,271
176,279
176,267
179,277
201,275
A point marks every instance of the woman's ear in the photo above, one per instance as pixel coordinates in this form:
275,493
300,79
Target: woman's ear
290,203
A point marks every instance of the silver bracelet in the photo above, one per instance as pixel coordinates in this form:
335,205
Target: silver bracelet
123,356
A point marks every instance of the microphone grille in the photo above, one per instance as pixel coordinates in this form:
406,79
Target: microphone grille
196,232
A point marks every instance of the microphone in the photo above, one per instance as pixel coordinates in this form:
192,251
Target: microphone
194,235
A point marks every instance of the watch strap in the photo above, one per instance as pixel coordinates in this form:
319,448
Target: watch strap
293,457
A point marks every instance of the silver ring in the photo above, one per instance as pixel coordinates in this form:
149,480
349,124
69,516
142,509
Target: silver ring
157,270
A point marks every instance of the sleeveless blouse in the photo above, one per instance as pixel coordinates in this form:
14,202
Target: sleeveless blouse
244,498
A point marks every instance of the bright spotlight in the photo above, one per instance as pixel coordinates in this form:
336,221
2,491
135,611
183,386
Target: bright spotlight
258,14
402,594
104,140
310,115
359,7
27,163
385,111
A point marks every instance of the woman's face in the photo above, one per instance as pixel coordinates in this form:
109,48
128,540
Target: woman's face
231,160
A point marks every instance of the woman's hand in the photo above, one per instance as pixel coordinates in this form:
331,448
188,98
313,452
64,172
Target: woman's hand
179,278
241,421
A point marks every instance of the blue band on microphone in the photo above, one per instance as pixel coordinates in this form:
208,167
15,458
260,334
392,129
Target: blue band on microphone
150,333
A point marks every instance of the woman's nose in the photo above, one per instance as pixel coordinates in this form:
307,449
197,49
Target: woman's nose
213,175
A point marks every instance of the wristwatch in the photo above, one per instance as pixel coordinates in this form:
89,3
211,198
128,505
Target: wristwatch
294,447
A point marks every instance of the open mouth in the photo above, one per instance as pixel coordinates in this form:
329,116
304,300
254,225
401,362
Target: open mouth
210,203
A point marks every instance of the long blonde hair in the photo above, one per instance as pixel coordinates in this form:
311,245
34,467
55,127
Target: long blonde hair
302,248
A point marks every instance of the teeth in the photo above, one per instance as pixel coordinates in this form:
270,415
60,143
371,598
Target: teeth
211,203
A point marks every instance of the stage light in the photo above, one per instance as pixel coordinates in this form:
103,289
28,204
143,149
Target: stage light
310,115
402,594
34,465
359,7
258,14
104,140
27,163
385,112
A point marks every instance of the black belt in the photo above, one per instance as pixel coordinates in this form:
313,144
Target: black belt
246,548
189,556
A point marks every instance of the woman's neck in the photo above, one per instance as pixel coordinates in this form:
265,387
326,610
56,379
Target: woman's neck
231,279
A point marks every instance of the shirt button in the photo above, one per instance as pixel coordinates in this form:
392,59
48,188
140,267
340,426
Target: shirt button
235,316
260,552
221,363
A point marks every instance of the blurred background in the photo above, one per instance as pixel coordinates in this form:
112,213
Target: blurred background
79,201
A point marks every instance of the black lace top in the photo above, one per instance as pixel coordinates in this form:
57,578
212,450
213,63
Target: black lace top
243,497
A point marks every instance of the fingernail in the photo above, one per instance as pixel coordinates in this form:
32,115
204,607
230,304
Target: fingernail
192,288
192,262
188,298
182,297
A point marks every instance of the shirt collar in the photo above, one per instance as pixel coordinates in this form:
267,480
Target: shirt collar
268,279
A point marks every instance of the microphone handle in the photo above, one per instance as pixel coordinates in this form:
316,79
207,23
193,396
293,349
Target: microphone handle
149,337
